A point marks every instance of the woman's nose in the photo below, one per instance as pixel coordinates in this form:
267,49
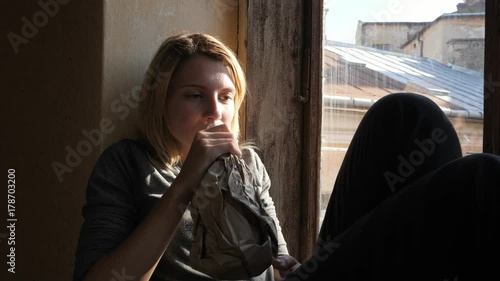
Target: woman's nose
213,109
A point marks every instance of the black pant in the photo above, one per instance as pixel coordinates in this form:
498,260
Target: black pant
406,205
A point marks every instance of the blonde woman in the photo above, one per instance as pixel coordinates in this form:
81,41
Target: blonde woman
137,223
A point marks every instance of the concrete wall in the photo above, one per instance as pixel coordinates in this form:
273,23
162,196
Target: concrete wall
51,92
472,6
443,41
468,53
435,39
62,67
391,34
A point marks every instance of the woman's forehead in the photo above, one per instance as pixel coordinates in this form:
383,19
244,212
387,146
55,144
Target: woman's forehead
201,69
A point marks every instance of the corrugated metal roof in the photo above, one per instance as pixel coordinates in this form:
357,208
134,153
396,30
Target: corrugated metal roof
461,87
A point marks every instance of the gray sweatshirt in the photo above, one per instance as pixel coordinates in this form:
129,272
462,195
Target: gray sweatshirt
122,189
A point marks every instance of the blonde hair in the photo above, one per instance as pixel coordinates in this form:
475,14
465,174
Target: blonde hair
172,52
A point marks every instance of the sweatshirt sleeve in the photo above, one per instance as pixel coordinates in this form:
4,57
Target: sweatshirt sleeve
251,158
110,212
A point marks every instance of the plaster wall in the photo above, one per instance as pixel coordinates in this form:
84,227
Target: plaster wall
63,63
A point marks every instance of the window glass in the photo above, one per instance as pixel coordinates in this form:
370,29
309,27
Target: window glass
373,48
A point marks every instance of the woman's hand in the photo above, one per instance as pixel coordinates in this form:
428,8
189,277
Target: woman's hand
285,264
208,144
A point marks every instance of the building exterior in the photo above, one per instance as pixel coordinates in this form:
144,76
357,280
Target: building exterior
357,76
471,6
454,38
388,36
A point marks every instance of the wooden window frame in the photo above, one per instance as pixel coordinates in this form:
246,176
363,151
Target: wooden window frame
491,125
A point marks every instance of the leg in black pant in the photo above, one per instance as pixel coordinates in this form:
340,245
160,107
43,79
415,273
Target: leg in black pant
406,205
402,137
444,226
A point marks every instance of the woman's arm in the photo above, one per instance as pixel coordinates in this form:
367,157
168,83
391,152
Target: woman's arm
141,251
139,254
265,197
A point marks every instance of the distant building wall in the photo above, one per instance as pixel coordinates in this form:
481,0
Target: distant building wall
448,37
389,36
468,53
456,38
472,6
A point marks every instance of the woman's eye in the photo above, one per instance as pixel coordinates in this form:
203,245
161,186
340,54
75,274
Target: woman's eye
194,96
227,97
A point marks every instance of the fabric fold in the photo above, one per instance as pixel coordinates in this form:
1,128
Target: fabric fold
233,238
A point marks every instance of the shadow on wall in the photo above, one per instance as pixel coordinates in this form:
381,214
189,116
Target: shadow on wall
52,64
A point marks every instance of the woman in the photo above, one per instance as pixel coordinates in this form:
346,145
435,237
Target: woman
137,221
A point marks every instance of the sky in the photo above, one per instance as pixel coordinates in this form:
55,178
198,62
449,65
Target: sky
342,17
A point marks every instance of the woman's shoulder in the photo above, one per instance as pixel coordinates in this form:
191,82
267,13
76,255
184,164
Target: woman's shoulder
125,151
251,157
124,160
249,154
126,146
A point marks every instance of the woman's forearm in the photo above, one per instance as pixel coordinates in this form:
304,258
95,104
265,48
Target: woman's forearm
138,256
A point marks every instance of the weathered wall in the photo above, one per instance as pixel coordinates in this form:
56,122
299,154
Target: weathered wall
437,37
451,28
468,53
51,92
391,34
274,113
69,62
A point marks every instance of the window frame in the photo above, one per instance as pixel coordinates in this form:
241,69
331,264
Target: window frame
491,125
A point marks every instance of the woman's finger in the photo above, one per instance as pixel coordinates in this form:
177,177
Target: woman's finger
221,127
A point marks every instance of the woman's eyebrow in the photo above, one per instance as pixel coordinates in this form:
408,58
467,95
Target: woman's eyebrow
204,87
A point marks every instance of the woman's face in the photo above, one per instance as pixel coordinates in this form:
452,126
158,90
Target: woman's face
200,93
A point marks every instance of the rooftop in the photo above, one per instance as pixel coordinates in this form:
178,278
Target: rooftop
457,90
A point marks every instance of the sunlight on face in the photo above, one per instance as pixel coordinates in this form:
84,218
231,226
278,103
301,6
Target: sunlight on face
200,93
